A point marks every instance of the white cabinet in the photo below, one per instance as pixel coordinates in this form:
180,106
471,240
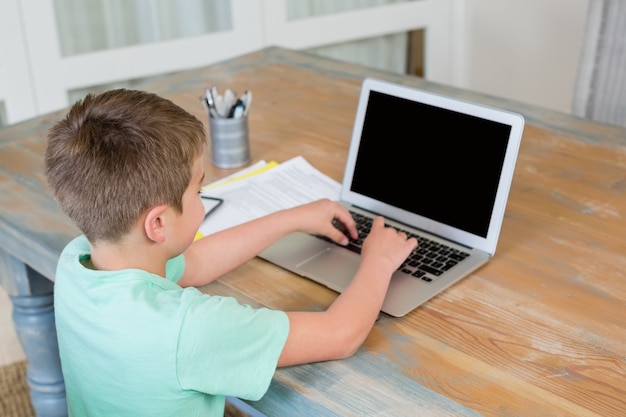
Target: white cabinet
35,77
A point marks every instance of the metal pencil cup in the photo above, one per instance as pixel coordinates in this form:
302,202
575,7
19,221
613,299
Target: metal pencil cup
230,145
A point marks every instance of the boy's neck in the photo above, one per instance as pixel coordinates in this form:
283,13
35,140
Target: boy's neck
132,252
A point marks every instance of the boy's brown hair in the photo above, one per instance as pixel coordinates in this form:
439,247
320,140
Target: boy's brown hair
116,155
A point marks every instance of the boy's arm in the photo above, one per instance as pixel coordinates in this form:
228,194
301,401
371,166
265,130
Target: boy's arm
340,330
211,257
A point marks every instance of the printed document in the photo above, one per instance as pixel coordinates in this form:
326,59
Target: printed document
285,185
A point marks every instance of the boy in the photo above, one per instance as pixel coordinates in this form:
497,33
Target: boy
135,335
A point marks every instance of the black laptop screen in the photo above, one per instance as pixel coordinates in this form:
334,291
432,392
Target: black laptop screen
433,162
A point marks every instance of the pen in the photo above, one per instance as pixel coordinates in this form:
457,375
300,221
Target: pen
237,110
229,100
218,102
209,103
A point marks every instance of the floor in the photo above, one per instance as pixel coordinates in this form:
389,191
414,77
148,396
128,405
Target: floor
10,348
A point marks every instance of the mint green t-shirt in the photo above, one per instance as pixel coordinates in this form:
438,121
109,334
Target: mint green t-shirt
135,344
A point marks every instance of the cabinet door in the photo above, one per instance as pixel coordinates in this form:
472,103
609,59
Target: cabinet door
300,24
54,74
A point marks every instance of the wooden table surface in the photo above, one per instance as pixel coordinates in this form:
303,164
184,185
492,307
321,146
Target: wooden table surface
539,331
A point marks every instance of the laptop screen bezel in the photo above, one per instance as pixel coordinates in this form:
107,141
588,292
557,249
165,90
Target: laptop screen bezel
471,240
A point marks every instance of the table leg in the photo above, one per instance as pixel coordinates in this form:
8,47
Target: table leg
33,314
34,323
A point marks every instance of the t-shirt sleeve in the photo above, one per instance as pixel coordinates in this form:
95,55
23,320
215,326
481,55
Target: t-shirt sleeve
226,348
174,268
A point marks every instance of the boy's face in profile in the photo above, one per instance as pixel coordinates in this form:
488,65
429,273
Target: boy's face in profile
186,224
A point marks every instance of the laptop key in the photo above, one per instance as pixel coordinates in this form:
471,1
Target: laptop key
436,272
458,256
353,247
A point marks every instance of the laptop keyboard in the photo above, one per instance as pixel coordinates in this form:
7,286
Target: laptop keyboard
427,262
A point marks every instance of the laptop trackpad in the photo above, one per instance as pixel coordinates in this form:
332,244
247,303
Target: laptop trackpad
333,268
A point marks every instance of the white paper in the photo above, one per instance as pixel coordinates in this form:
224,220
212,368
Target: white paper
287,185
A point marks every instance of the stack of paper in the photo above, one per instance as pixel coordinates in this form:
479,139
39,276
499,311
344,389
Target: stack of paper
265,188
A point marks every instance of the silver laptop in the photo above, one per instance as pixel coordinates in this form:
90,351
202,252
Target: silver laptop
438,168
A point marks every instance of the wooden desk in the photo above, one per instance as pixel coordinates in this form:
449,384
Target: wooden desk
539,331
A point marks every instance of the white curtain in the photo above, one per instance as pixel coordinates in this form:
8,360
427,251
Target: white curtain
3,119
600,89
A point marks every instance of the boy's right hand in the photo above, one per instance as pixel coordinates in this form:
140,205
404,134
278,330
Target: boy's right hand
319,217
386,243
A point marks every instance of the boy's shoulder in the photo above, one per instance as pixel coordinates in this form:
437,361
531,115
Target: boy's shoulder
74,258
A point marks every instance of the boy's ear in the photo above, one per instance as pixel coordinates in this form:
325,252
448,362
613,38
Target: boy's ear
154,223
